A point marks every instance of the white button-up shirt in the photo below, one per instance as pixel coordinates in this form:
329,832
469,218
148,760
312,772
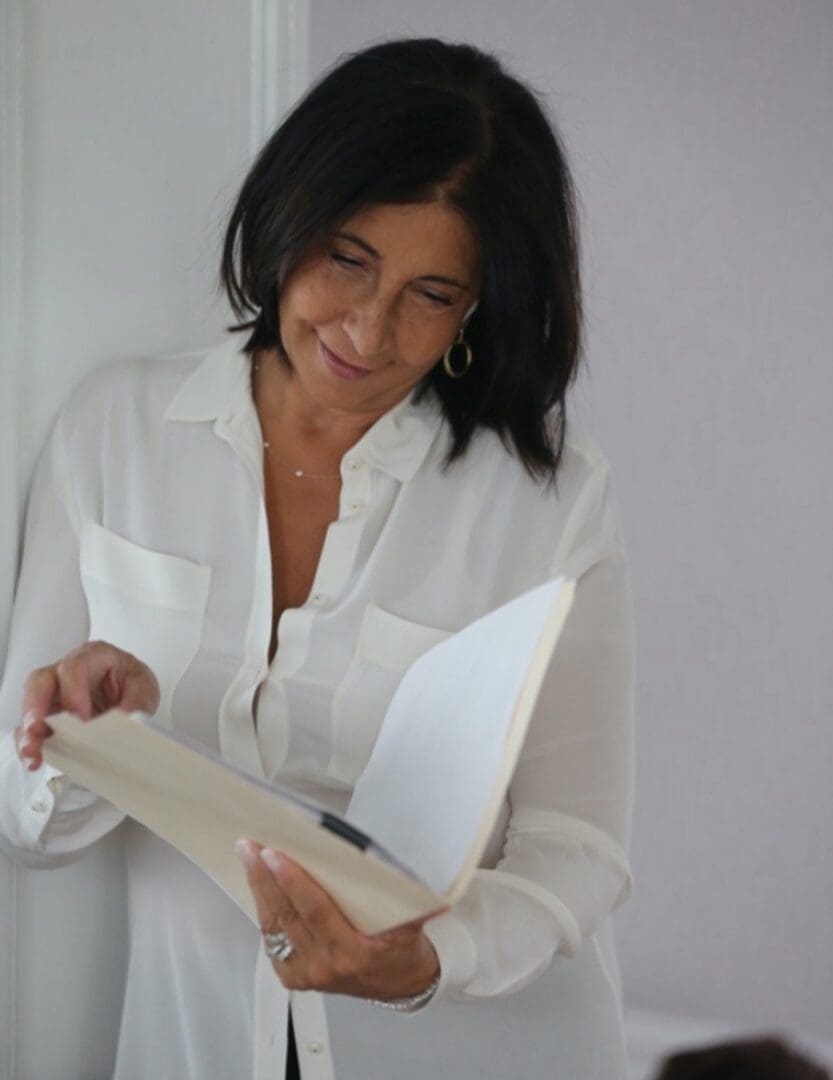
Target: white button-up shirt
147,528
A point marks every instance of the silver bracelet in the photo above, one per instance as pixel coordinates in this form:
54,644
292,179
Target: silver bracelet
408,1004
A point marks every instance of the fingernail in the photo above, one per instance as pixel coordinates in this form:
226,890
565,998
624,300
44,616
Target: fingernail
28,720
272,860
245,849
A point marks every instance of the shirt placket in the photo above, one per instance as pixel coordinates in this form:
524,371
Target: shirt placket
335,565
309,1020
237,734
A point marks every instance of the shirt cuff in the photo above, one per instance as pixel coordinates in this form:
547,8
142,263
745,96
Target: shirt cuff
456,952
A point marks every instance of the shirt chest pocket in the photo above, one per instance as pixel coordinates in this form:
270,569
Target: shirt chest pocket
386,647
146,602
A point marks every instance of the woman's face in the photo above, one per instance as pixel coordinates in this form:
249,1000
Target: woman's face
364,317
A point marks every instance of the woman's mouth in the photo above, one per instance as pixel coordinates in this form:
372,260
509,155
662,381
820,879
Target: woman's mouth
340,367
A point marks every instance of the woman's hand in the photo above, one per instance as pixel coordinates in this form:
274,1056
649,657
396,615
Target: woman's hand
329,953
88,681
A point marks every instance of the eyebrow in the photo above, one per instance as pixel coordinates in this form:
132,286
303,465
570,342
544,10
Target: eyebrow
372,251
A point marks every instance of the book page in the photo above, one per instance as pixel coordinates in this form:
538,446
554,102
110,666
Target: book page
448,746
201,806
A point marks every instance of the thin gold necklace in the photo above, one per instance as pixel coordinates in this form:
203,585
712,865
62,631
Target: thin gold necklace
300,474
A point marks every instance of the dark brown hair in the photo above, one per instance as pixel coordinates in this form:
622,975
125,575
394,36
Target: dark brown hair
408,121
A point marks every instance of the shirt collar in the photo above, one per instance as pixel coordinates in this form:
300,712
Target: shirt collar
219,389
216,389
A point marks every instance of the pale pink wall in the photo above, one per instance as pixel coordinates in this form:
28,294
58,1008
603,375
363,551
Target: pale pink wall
702,140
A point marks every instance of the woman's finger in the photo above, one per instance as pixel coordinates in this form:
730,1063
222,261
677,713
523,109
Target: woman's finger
39,692
75,686
316,908
141,690
90,679
34,728
274,910
119,679
28,749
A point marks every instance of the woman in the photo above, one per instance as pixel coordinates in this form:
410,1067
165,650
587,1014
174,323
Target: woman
257,542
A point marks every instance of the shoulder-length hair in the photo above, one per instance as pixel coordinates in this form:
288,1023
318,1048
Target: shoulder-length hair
420,120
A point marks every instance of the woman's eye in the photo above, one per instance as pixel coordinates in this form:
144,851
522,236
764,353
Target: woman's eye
344,260
435,298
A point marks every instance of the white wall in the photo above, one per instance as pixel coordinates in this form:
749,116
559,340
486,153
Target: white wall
135,134
702,140
126,129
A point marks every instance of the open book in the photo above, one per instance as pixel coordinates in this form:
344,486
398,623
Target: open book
421,813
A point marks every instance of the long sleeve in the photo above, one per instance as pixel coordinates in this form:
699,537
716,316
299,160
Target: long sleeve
44,819
564,864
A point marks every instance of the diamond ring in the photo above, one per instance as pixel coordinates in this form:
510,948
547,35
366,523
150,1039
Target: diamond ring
278,946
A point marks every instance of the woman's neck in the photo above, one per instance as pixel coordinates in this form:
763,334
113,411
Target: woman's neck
298,427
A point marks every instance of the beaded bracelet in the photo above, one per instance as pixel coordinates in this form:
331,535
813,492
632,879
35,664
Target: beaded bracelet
408,1004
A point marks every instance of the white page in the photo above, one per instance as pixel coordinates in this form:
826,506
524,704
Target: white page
441,762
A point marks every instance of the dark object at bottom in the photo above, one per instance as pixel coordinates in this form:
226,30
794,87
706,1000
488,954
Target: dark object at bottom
292,1070
766,1058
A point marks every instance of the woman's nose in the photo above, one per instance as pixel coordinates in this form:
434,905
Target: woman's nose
369,326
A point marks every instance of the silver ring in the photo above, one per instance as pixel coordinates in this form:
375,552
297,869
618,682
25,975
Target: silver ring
278,946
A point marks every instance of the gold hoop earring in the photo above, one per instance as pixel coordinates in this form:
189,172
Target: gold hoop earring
449,370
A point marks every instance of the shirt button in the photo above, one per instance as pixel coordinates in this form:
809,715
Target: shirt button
354,463
315,1047
319,599
40,807
356,505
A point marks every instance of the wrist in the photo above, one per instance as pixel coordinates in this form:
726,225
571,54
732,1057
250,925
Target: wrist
425,971
418,988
